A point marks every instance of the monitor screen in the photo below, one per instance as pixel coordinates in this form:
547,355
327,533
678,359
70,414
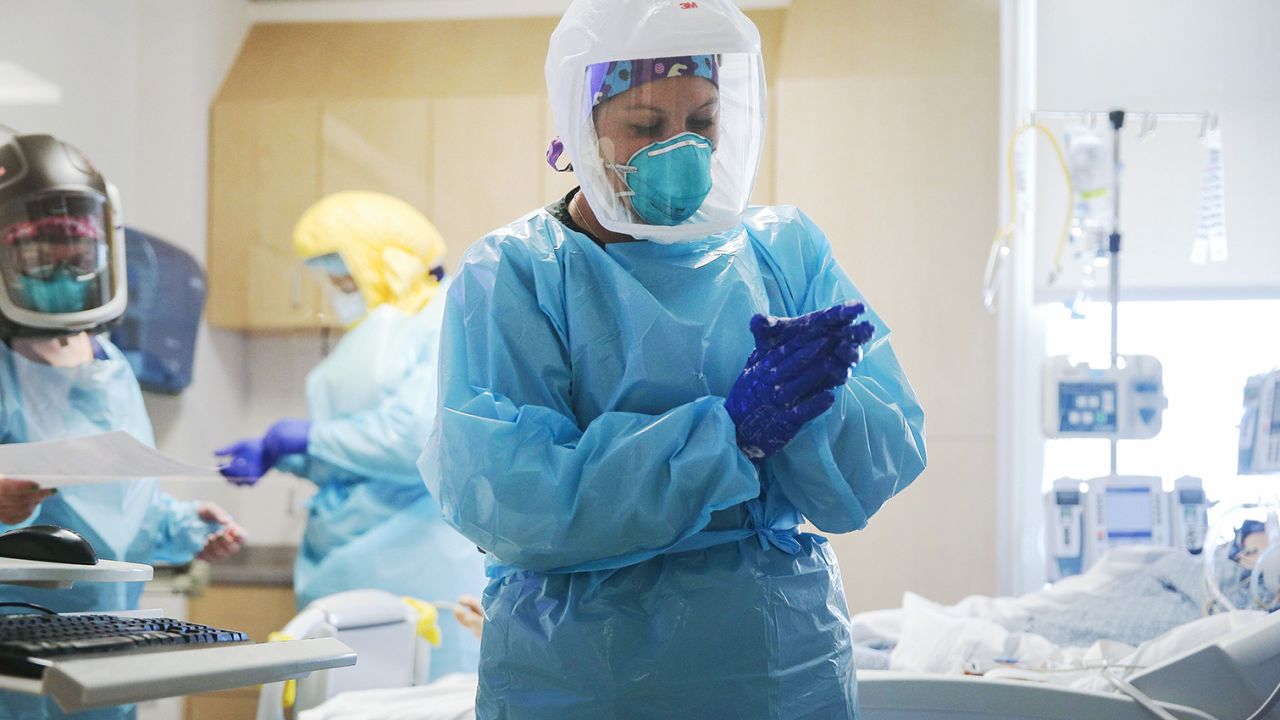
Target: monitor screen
1068,497
1275,407
1128,514
1191,497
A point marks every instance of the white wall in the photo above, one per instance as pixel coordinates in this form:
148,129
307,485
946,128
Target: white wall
90,49
137,78
1181,56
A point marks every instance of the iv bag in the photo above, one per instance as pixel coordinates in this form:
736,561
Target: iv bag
1211,234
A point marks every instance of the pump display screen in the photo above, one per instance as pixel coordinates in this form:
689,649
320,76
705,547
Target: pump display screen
1087,407
1275,408
1128,515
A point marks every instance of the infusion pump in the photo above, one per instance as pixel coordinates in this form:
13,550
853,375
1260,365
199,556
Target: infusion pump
1085,519
1123,402
1260,426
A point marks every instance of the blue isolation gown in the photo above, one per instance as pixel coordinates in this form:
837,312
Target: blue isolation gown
132,521
372,524
641,565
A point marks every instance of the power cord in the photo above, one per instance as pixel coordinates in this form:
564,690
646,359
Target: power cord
1267,706
28,606
1157,708
1002,245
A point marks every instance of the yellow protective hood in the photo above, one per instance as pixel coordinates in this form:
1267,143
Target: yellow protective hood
389,247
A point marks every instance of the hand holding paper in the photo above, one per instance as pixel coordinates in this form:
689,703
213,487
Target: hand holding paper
19,498
110,457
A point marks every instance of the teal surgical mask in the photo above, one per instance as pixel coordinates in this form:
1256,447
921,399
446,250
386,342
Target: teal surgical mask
668,179
61,292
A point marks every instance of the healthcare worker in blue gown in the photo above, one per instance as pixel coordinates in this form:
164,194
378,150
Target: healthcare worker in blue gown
62,279
371,404
646,388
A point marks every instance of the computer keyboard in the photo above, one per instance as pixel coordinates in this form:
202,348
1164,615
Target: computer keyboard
31,643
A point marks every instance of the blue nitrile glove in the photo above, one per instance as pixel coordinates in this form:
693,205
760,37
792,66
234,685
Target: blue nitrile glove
772,331
251,459
789,377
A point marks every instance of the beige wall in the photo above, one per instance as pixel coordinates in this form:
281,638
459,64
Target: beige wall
886,119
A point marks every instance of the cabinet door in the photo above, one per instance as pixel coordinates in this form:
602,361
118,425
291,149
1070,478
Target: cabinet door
232,210
378,144
257,610
487,158
264,172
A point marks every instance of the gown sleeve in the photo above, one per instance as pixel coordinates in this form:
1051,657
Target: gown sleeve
180,533
841,467
386,440
521,477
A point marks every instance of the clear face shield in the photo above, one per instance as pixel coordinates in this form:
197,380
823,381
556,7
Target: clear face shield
340,288
666,149
56,251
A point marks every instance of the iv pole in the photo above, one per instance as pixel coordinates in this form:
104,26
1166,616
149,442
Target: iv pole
1113,248
1117,118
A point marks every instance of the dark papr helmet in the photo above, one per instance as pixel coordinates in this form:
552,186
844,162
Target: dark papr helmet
62,255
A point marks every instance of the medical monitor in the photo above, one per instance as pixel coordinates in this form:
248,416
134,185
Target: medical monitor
1125,510
1128,512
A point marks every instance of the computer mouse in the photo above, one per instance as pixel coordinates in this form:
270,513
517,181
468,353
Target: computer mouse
47,543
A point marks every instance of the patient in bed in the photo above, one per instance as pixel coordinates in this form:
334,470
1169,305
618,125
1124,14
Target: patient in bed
1136,606
1133,594
1135,601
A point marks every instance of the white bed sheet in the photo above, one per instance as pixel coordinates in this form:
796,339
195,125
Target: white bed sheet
883,628
934,640
452,697
986,635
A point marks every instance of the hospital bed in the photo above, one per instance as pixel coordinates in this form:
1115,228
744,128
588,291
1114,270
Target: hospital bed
1226,680
389,634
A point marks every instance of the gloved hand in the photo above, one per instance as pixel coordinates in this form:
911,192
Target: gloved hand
251,459
773,331
790,376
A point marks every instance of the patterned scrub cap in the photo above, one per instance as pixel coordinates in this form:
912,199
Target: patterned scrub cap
54,227
607,79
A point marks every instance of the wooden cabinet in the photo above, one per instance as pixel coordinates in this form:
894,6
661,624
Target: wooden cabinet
469,163
264,172
450,116
378,144
487,159
258,610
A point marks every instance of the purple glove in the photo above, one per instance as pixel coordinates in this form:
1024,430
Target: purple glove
790,376
773,331
251,459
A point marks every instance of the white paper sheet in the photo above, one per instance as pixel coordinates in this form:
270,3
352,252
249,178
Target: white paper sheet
110,457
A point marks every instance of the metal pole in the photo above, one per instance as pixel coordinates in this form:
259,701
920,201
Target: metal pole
1113,248
1037,115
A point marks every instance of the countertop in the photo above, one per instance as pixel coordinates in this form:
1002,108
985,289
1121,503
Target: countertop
256,565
